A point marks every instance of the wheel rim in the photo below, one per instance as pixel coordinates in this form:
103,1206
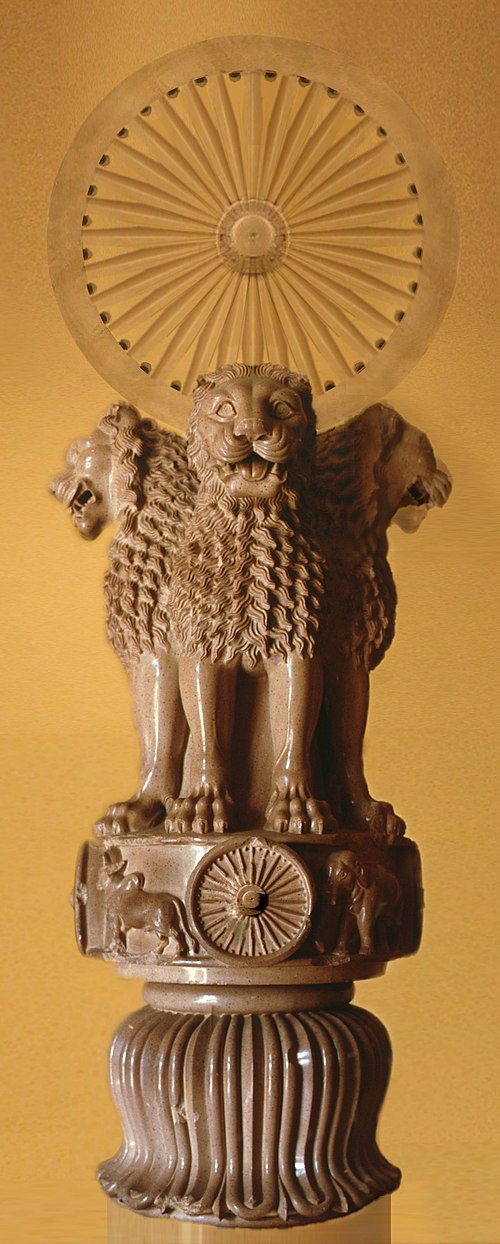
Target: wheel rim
251,200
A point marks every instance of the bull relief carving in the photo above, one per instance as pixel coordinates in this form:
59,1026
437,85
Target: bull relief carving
129,905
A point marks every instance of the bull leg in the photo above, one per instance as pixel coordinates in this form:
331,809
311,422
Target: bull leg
347,695
208,695
162,730
295,689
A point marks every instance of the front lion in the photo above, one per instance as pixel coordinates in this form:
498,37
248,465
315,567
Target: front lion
246,590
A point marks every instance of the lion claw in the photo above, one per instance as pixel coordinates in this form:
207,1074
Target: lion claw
294,811
203,813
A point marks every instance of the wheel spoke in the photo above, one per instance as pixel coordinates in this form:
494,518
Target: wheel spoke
276,133
173,169
276,343
352,302
148,191
296,138
291,317
168,295
190,327
210,139
252,128
325,207
229,134
195,156
322,315
177,311
252,343
145,254
319,175
321,138
169,270
353,277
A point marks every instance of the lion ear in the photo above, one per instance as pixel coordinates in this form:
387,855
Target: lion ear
118,417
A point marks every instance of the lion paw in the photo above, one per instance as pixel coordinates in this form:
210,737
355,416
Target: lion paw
134,816
294,811
208,811
379,818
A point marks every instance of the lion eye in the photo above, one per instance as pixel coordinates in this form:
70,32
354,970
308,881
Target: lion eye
283,409
225,411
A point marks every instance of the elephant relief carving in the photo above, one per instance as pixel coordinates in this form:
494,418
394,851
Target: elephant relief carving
369,902
130,906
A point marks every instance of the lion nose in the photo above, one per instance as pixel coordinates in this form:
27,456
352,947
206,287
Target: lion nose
253,427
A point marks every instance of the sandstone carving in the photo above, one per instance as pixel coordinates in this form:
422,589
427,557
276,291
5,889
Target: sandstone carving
132,472
258,547
370,901
252,556
246,589
234,1127
241,200
130,906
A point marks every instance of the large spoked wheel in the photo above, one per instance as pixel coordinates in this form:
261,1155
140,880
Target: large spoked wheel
252,200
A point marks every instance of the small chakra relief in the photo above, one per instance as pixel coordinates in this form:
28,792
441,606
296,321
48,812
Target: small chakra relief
251,900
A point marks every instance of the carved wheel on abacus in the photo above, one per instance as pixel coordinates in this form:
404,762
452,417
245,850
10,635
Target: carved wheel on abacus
253,200
250,899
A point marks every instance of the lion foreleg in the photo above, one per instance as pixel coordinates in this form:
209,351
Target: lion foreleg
295,690
347,694
208,694
162,730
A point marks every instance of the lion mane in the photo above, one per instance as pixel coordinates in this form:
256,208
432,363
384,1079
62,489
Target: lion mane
248,576
360,603
150,469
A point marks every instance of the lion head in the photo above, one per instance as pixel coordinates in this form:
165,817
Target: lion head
134,473
251,430
101,482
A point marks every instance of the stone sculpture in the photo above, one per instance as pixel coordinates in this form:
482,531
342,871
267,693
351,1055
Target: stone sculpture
130,906
132,472
250,568
373,906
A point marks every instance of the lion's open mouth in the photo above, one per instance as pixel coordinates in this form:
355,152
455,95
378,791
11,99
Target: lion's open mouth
255,468
81,498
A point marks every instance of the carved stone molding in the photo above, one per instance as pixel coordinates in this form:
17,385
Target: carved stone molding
241,1120
182,910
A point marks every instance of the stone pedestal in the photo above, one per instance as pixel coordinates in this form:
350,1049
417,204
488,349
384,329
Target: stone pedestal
249,1086
238,1119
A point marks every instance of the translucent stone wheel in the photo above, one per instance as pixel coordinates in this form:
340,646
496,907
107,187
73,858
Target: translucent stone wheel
251,899
252,200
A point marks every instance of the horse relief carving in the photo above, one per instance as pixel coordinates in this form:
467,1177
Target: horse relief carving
130,906
259,548
367,900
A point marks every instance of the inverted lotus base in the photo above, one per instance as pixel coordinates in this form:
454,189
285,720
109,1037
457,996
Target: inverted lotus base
258,1120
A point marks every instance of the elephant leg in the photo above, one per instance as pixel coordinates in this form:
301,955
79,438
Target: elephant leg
347,695
295,690
162,729
365,922
208,694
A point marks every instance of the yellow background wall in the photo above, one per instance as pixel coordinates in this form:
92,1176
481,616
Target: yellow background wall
69,742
